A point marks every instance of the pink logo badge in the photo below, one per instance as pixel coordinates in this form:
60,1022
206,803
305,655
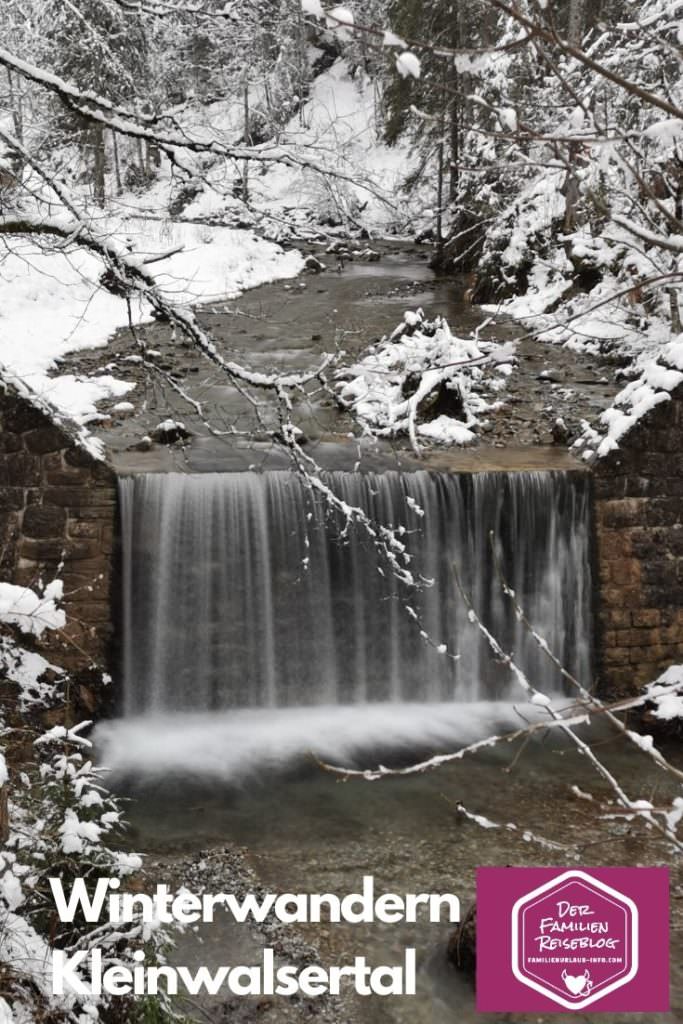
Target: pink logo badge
564,939
574,939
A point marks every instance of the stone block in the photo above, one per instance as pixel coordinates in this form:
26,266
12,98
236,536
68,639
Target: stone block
45,439
10,442
64,477
53,460
628,638
662,512
77,456
619,618
654,595
68,497
42,552
23,470
626,572
106,513
84,528
607,487
11,499
619,680
84,587
44,521
89,567
660,572
638,486
622,513
101,472
617,655
624,597
79,550
90,613
646,617
20,417
108,539
614,544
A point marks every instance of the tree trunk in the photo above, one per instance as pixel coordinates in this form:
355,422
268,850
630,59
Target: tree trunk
15,103
438,253
247,138
577,21
676,327
4,815
117,164
97,136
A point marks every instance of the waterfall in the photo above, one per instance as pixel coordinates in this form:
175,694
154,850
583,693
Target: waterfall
243,590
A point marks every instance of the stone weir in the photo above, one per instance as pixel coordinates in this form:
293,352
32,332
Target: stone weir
59,515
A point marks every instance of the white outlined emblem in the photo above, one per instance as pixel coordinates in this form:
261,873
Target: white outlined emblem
574,939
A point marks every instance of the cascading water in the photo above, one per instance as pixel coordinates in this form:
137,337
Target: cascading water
242,590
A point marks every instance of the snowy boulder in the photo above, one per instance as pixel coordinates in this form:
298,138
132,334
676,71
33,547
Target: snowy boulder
313,265
368,255
124,409
143,445
339,248
170,432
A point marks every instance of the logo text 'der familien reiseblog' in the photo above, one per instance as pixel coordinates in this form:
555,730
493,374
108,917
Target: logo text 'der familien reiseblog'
565,939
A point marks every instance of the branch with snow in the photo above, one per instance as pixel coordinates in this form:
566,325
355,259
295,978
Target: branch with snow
426,383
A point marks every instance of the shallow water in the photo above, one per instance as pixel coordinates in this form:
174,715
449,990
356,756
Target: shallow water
307,830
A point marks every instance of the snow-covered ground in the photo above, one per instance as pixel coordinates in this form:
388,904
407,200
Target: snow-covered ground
54,302
338,129
599,321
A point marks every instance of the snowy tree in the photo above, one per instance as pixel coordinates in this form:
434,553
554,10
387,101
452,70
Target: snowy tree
57,820
102,46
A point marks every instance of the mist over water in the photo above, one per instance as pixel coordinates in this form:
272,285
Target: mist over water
234,745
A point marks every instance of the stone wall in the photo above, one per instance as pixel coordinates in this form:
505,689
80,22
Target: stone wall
58,515
639,551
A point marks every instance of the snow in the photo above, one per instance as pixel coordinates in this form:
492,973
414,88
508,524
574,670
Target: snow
337,129
25,668
391,39
74,832
640,396
342,15
313,7
387,387
408,65
666,693
54,303
447,431
33,613
644,741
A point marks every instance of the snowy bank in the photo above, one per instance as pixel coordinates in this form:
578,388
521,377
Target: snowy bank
54,302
